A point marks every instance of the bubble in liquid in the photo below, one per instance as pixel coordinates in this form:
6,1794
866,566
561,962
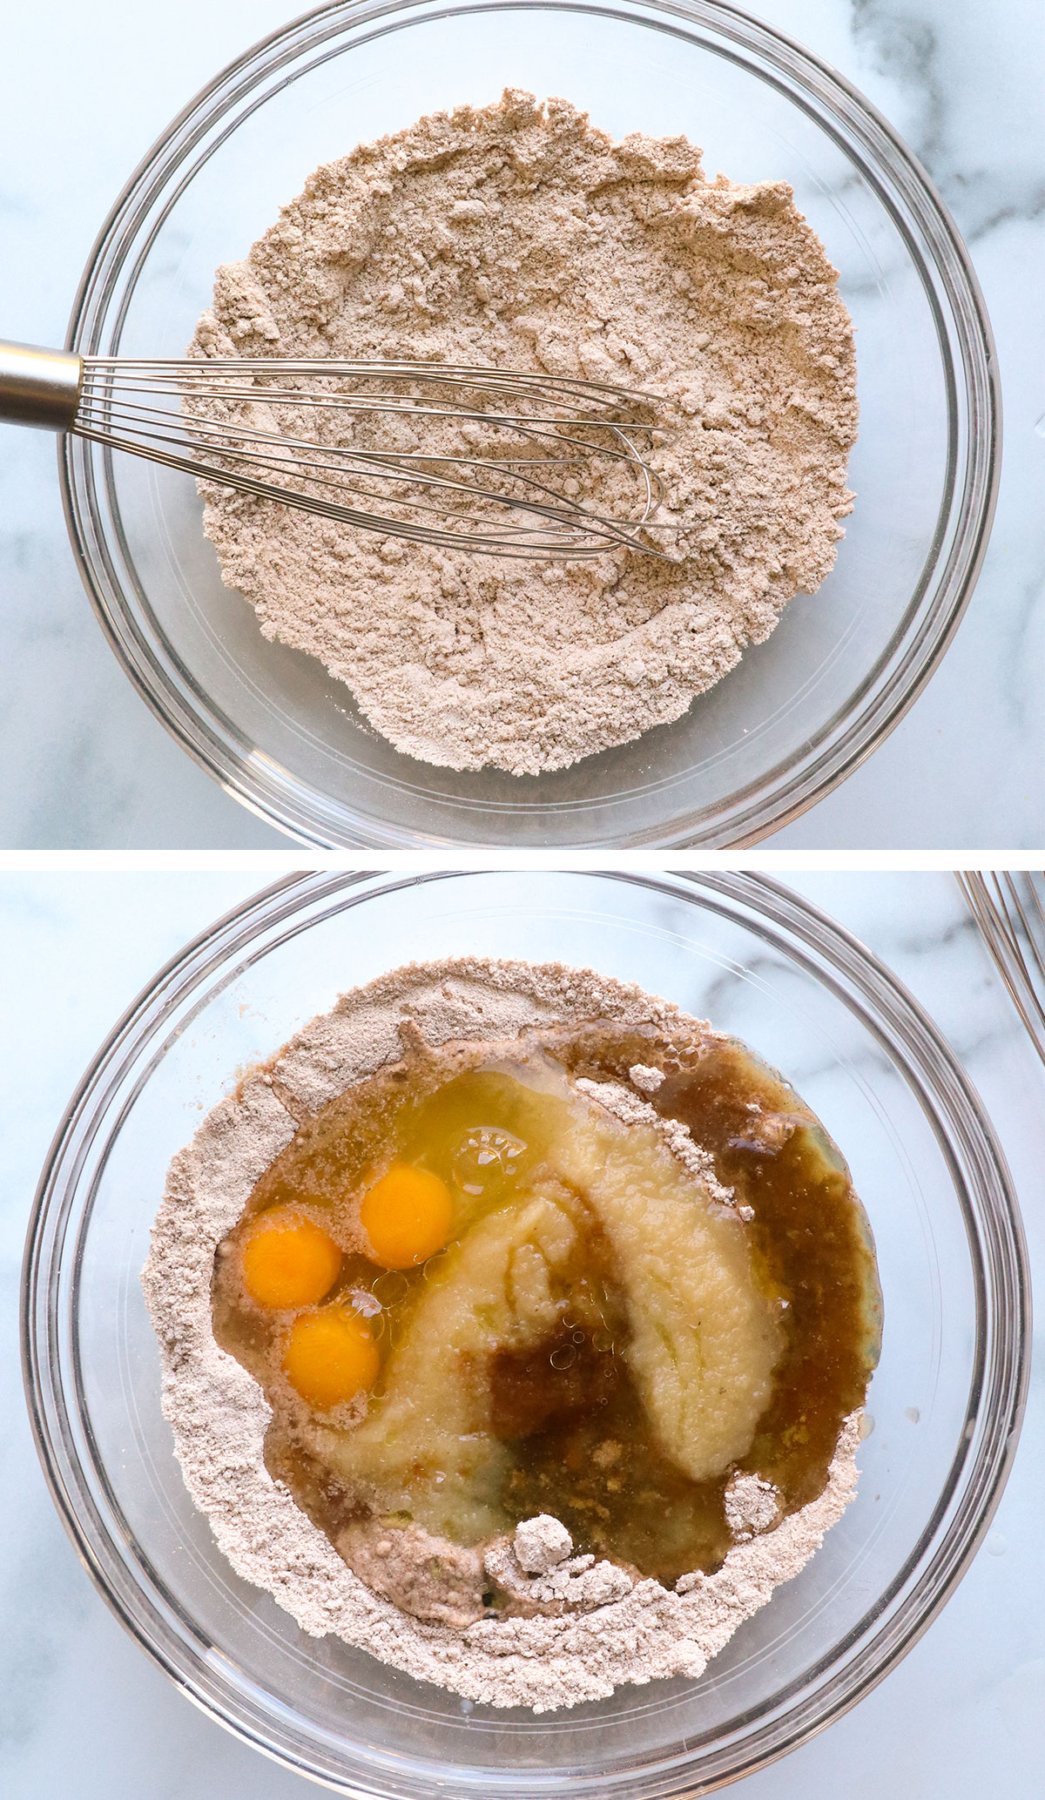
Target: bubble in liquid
485,1154
389,1288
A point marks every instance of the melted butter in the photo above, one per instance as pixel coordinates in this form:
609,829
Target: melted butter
568,1422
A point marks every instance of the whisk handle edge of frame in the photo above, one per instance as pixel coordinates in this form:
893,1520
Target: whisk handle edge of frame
39,387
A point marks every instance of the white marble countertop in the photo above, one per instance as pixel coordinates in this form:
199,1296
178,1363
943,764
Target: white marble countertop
84,1713
84,92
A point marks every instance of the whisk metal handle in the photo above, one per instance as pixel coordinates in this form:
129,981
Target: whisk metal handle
39,387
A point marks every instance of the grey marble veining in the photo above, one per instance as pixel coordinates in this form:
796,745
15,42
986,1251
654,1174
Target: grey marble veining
83,94
963,85
83,1713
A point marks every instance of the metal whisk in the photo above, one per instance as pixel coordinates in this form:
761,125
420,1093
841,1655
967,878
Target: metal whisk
492,460
1009,908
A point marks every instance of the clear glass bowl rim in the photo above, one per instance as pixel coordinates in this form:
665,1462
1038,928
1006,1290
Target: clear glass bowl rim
869,714
997,1250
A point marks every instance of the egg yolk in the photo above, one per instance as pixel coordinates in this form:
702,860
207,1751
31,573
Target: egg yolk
407,1216
330,1356
288,1260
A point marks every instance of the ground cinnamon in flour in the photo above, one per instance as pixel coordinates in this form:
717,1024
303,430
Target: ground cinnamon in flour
518,235
612,1629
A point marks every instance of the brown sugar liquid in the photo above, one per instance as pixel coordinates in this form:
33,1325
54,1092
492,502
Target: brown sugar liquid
578,1442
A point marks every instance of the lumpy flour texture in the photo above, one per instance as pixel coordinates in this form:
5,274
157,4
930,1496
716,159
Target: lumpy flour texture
519,236
608,1627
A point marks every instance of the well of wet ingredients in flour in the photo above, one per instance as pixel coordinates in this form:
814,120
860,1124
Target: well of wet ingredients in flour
451,1191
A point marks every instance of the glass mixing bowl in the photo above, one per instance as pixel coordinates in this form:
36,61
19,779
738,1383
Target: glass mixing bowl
842,667
945,1401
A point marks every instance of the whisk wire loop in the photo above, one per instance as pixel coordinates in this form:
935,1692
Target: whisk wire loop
504,462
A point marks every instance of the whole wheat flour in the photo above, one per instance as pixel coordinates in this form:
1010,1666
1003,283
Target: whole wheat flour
607,1628
518,235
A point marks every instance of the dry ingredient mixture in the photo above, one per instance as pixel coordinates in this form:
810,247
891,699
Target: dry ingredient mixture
519,236
546,1317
